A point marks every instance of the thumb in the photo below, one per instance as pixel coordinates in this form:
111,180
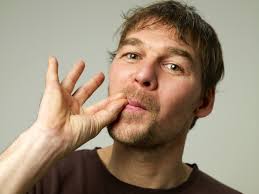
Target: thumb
109,114
87,127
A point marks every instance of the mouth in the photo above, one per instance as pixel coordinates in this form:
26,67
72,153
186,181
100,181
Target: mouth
135,105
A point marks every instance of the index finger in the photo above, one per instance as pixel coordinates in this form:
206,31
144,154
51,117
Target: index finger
52,72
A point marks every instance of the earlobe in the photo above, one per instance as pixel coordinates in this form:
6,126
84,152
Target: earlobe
207,103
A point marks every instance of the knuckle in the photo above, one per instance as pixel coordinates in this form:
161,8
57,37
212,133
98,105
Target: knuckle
94,126
52,86
71,79
95,82
86,92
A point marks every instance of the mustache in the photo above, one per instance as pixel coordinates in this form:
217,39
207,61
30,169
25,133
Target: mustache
143,97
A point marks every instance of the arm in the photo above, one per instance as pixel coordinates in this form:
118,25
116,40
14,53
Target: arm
61,127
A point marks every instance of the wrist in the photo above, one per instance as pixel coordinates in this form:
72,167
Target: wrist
47,139
36,150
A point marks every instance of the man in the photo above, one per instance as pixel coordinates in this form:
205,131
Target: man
162,79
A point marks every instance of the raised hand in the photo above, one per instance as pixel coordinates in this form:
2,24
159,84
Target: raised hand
61,113
62,126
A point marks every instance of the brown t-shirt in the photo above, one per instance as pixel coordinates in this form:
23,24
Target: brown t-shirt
82,172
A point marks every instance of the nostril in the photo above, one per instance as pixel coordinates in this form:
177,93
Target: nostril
146,84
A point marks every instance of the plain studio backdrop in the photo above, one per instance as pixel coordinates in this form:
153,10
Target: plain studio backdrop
224,144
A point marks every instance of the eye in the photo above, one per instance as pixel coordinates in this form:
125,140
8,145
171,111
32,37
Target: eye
132,56
173,67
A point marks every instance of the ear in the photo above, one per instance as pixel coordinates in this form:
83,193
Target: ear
206,105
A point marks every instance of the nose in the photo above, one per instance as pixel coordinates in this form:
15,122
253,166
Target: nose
146,76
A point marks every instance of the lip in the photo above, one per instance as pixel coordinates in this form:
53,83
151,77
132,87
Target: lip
135,105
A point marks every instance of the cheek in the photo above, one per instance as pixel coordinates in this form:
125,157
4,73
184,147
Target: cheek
118,77
179,99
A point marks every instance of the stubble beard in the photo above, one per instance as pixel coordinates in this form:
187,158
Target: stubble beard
137,130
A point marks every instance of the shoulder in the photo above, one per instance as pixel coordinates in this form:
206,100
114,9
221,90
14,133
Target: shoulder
208,184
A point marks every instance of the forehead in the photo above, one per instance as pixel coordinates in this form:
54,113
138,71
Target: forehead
160,32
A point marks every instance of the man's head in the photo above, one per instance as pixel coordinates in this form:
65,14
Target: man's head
169,60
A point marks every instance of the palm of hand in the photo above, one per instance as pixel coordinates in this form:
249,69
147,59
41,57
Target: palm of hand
61,113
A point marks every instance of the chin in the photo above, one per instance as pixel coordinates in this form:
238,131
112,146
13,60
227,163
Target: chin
135,135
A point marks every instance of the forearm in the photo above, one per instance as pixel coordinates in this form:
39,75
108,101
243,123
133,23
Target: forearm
26,160
62,126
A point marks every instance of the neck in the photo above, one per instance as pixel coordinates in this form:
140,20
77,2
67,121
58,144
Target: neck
161,168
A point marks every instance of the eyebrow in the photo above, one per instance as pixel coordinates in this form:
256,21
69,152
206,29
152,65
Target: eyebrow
172,50
181,52
131,41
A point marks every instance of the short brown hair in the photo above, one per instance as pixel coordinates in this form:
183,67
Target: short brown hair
190,28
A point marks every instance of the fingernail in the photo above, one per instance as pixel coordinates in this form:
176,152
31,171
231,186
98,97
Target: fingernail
52,59
81,61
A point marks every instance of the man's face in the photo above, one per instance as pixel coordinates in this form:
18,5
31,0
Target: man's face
161,78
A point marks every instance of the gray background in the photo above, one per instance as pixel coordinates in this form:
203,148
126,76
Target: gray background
223,144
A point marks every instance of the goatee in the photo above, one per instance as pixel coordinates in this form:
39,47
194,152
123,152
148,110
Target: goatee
136,129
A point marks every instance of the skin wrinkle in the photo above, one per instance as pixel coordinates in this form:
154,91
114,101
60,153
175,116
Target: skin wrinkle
187,41
172,50
184,38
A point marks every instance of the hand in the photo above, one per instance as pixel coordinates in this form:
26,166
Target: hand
61,114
